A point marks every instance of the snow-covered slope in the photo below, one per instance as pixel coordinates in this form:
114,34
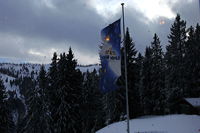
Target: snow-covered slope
89,68
10,71
6,80
11,74
157,124
25,69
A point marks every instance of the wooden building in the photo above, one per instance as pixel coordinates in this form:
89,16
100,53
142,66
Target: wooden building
187,106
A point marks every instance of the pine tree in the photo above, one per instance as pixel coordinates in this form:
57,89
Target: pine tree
139,63
38,118
91,109
6,123
75,80
174,58
69,84
33,116
45,117
52,89
196,83
158,77
132,75
110,107
63,103
147,82
192,62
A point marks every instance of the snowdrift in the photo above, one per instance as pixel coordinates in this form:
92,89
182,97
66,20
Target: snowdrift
157,124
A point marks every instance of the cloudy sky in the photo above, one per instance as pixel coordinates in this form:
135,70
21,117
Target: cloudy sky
31,30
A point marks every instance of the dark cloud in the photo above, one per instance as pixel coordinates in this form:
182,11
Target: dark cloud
40,25
189,11
69,21
143,32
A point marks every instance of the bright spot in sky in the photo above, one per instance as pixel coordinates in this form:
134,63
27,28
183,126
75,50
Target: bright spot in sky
162,22
33,52
152,9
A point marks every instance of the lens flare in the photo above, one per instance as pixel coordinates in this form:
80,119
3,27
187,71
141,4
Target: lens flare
162,22
107,38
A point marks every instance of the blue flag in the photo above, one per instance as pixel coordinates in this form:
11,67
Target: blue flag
199,6
110,56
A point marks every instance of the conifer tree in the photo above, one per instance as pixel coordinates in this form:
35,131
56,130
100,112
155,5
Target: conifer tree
75,80
6,123
192,62
38,119
132,75
45,117
33,116
52,98
63,105
158,77
147,82
174,58
139,63
91,109
69,81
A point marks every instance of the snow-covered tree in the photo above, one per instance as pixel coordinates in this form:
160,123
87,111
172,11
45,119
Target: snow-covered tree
38,117
6,122
68,95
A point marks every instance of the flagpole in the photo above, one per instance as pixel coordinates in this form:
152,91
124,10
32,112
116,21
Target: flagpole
125,66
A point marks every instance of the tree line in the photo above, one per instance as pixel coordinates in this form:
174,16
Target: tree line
63,99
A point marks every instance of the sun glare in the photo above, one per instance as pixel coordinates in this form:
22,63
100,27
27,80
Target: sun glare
107,39
151,9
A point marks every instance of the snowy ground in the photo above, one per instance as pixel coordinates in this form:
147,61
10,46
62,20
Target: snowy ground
158,124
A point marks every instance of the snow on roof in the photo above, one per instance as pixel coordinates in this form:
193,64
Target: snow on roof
193,101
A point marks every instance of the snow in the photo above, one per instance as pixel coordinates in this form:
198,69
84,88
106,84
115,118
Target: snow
89,68
157,124
25,70
7,85
193,101
15,115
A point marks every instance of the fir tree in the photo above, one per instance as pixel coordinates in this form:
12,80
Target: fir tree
75,80
52,89
44,112
139,62
110,101
6,123
91,109
63,110
33,116
132,75
158,91
174,57
147,82
69,84
196,83
192,62
38,115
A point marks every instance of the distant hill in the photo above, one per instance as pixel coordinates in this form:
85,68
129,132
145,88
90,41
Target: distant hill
18,78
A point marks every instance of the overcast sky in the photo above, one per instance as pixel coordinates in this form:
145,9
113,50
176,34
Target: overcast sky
31,30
